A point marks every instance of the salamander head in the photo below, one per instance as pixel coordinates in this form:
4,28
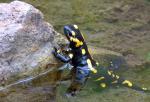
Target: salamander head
74,35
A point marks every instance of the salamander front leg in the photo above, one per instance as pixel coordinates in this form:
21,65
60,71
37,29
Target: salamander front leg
57,53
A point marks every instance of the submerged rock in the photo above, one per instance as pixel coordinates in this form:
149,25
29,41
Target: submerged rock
26,42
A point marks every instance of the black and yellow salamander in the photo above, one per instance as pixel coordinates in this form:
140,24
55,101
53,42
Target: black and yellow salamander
84,65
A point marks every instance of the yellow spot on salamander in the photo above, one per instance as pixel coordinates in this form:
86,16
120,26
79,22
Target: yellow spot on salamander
103,85
144,88
113,75
127,82
100,78
71,55
109,73
71,38
58,51
73,33
78,42
97,63
116,81
90,66
117,76
75,26
83,51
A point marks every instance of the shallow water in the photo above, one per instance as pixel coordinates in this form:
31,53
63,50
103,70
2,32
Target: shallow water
92,92
43,88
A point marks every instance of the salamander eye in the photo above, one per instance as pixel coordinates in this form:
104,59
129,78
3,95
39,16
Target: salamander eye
70,34
68,31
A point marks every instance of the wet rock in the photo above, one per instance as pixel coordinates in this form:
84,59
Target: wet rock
26,42
108,59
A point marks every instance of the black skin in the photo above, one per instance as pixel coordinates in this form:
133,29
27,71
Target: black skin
83,64
79,55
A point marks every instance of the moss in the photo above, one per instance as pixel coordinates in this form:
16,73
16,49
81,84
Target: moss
148,56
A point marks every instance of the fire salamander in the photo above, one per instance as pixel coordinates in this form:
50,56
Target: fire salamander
84,65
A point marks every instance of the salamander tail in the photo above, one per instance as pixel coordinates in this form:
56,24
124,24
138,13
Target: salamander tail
129,84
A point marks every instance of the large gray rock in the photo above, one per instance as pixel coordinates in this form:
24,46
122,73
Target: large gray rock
26,41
